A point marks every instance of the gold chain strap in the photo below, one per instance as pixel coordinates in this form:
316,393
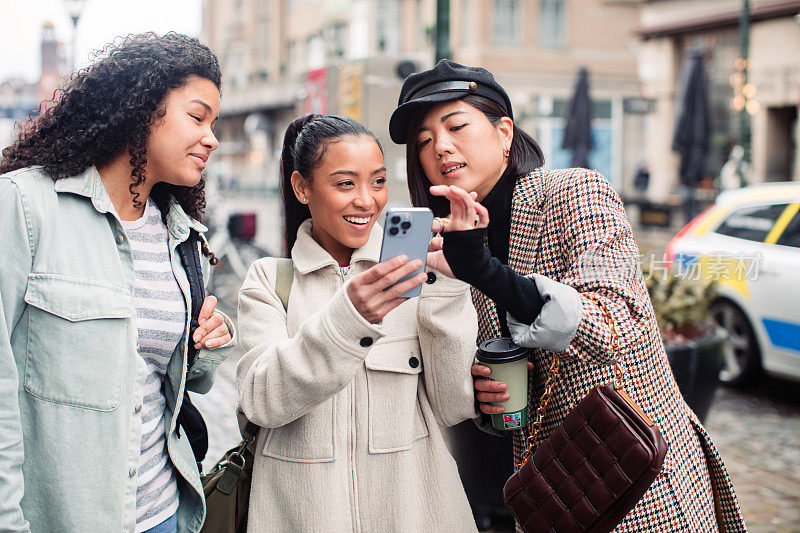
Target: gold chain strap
536,427
542,409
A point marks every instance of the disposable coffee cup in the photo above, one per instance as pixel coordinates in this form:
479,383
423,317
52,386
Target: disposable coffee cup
509,364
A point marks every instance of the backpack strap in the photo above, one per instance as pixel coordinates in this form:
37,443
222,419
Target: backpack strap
189,417
190,257
284,275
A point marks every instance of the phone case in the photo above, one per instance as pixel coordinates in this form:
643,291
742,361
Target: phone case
407,230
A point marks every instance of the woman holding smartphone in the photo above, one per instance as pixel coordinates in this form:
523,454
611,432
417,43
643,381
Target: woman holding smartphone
96,194
350,382
548,251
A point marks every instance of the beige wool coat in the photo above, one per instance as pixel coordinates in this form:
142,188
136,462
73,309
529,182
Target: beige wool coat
350,411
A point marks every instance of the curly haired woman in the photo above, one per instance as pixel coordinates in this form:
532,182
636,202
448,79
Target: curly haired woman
96,194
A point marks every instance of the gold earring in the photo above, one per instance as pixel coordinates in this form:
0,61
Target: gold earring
506,152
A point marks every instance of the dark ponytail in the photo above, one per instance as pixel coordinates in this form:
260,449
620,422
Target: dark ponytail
525,154
304,145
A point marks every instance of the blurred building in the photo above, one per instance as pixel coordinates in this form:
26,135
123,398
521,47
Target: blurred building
535,48
20,98
54,63
671,29
282,58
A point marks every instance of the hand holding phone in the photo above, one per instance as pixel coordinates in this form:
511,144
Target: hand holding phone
407,231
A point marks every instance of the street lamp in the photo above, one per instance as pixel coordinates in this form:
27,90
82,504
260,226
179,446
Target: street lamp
74,9
744,101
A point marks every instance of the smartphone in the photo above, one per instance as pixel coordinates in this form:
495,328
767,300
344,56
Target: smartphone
407,231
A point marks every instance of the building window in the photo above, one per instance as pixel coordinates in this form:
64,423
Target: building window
263,40
552,23
315,51
294,59
467,16
424,26
234,66
388,22
335,41
507,23
358,41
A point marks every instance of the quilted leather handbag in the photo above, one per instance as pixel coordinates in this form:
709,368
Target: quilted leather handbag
597,464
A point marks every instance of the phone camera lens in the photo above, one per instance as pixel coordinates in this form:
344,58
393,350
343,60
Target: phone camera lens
395,220
405,225
393,230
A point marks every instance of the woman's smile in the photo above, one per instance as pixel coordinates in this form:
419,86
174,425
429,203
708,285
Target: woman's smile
346,195
359,222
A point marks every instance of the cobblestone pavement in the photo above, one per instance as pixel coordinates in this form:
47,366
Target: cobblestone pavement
758,434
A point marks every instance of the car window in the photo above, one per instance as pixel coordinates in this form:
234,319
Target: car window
751,223
791,235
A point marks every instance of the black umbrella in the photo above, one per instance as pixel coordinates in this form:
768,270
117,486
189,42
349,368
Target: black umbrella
578,132
693,130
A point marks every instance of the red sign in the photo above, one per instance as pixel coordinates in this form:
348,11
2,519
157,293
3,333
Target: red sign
316,91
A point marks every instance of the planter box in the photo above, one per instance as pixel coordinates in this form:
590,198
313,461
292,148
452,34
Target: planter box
696,365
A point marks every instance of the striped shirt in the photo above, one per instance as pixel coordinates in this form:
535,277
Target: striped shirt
160,320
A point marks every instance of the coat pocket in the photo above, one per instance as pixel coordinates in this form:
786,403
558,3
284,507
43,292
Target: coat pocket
395,418
309,439
77,341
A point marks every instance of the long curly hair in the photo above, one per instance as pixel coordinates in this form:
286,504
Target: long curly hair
109,107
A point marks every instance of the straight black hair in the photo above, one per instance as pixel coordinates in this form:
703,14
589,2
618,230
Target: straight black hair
525,155
304,145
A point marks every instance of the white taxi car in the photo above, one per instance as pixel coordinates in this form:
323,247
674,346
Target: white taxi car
749,241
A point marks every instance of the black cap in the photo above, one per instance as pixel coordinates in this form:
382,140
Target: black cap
445,82
500,350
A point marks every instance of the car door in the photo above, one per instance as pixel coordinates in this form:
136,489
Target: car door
775,289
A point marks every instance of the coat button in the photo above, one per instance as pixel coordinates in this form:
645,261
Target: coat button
138,408
366,342
120,238
431,278
132,472
413,362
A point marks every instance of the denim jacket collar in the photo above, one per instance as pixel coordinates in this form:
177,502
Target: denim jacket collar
89,184
308,255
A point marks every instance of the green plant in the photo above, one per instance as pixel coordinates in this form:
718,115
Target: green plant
681,305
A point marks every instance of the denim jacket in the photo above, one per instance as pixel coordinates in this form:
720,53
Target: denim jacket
70,374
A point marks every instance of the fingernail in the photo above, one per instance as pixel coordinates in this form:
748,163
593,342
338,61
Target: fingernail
201,320
196,337
485,371
417,263
502,387
197,345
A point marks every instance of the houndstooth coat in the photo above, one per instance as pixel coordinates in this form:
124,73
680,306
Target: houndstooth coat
562,223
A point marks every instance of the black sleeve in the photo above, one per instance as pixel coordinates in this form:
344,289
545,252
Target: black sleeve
472,262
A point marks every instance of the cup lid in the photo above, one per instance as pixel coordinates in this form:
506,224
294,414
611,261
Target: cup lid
500,350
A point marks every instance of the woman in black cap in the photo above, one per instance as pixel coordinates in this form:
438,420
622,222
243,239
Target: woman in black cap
549,252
